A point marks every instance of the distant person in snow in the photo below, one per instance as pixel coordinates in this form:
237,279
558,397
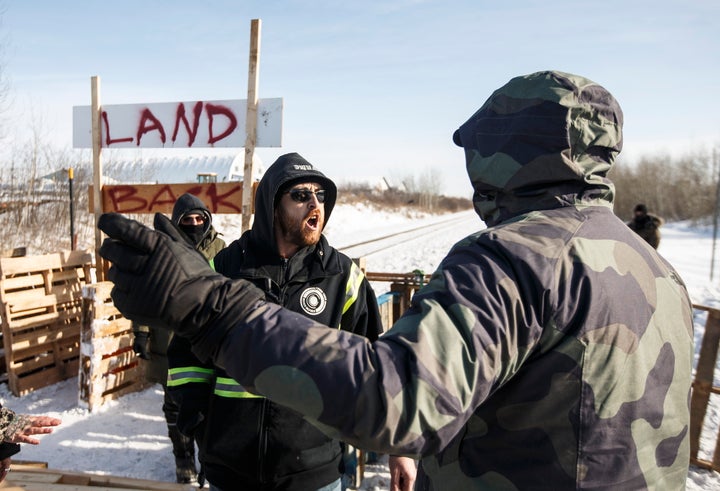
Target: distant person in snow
550,350
646,225
194,220
19,428
248,442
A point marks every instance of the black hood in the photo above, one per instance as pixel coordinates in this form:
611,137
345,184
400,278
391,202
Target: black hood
188,203
286,170
541,141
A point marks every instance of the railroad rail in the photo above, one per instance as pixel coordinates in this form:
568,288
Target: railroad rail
401,238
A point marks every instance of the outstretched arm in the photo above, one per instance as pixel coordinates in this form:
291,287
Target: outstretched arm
409,392
32,425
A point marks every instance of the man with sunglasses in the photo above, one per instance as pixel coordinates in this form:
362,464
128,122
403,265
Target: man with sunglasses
249,442
193,218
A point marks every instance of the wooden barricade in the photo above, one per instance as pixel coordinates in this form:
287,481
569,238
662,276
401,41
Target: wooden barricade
108,365
702,388
40,303
402,287
34,478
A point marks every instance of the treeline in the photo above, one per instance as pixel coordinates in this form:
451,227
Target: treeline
675,188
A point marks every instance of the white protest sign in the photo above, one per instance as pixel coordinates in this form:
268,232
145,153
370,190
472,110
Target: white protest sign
195,124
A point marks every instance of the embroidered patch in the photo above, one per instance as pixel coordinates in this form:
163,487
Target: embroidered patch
313,300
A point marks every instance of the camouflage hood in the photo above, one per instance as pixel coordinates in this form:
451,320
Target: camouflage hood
541,141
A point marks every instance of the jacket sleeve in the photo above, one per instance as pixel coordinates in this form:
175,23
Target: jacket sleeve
8,427
190,384
411,391
8,449
361,314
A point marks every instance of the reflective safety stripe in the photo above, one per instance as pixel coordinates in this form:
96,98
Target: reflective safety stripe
188,375
353,286
228,387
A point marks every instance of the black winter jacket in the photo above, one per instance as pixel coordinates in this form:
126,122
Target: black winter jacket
248,442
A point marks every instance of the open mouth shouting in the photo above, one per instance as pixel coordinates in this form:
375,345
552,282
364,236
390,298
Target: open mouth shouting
313,221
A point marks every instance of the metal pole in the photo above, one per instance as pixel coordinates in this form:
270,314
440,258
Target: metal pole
72,210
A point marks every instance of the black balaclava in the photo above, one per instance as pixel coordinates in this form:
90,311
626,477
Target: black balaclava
188,204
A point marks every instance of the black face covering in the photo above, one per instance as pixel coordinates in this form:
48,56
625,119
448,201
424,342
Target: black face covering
195,232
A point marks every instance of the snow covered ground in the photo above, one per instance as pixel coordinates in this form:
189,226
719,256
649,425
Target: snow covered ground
128,437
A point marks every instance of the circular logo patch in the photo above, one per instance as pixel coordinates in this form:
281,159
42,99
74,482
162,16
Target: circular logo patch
313,300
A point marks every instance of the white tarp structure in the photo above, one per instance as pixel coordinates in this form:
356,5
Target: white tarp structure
178,169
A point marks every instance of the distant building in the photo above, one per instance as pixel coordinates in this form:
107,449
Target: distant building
179,169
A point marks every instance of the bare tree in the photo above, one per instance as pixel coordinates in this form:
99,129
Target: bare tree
4,78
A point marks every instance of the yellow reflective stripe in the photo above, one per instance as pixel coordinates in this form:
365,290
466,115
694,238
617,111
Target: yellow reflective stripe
186,375
236,395
228,387
353,286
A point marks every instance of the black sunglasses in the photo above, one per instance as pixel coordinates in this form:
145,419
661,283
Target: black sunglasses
304,195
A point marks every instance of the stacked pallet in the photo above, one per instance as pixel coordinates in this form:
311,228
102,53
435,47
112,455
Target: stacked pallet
41,310
108,365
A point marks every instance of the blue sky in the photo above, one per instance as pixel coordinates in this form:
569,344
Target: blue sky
369,88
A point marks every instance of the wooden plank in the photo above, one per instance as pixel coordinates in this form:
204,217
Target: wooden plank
97,392
247,200
35,301
24,282
29,300
703,384
99,292
219,197
40,357
45,360
68,275
114,328
108,311
28,464
44,378
398,277
43,338
118,362
56,480
22,265
62,318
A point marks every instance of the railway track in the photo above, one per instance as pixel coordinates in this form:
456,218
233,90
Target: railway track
405,237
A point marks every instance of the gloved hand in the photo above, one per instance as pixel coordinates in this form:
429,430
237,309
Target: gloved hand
140,345
161,281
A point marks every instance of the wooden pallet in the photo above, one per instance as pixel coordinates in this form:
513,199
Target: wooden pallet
41,307
108,365
33,478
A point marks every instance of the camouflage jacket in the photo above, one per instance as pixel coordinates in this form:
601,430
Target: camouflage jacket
10,425
552,350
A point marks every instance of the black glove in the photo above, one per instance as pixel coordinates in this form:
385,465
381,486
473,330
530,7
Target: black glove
163,282
140,345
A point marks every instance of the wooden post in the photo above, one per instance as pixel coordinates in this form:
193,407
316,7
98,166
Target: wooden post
251,123
95,109
702,388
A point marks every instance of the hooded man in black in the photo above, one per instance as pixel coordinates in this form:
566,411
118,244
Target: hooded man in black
247,441
194,219
646,225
